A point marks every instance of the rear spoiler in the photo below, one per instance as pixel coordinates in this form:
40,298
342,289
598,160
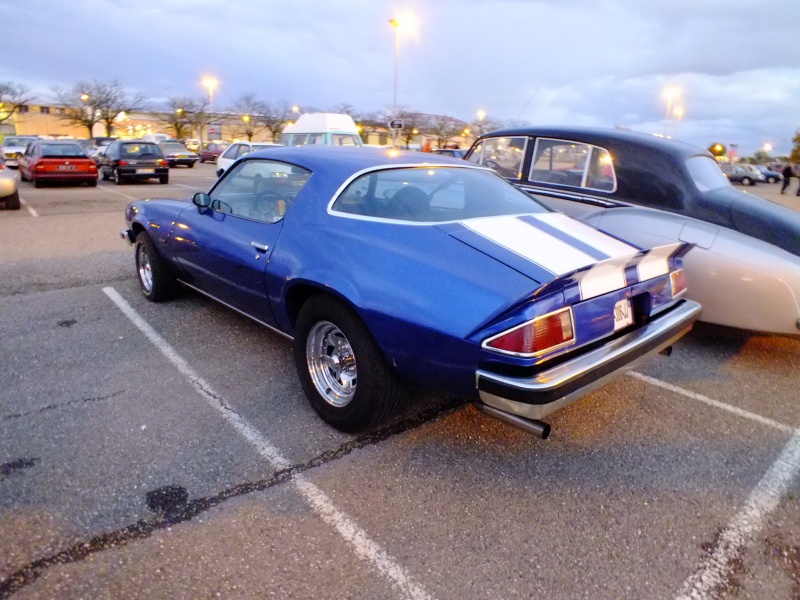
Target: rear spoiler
615,273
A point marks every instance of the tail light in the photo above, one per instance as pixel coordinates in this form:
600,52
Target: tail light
123,163
677,280
39,167
534,338
161,162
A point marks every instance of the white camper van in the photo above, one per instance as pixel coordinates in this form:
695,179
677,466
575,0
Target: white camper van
322,128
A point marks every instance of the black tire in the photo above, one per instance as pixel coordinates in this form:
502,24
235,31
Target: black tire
12,202
190,165
117,177
747,181
156,280
37,183
376,394
104,174
202,160
22,176
163,179
92,183
220,173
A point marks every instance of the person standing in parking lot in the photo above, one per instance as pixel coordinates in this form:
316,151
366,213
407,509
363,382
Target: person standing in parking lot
787,175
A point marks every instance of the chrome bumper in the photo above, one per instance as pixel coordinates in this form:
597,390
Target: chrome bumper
537,396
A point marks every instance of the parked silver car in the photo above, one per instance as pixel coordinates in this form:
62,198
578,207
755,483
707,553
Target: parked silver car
9,195
13,146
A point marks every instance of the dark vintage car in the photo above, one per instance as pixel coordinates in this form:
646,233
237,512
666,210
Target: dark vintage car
212,151
651,190
177,154
56,161
388,266
132,160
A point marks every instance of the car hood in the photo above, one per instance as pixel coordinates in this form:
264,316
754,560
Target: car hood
557,252
760,218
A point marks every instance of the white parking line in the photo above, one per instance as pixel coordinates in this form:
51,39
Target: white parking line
29,208
315,497
712,574
715,403
113,191
191,187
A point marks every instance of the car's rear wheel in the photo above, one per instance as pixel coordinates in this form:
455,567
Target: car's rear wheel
341,368
220,172
747,181
37,183
190,165
202,160
104,174
12,202
155,278
92,183
22,175
163,179
117,177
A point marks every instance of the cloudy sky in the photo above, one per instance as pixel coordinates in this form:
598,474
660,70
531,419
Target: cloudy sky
582,62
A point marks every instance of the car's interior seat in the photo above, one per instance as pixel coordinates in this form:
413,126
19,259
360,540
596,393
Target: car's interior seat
409,204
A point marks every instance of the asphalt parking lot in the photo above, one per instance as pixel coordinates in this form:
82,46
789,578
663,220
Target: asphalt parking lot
167,451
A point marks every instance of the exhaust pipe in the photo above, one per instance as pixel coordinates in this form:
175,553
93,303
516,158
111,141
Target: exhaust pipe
537,428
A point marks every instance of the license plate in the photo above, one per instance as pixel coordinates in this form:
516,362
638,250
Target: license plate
623,315
142,171
67,167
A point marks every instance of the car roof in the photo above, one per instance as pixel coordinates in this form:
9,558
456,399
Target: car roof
353,159
601,136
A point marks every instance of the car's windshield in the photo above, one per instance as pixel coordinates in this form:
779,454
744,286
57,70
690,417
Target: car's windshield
433,194
63,151
17,141
706,173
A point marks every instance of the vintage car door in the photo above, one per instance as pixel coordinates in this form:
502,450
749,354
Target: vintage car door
224,248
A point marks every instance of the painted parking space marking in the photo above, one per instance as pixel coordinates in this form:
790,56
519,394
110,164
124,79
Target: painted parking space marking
191,187
28,207
319,502
714,570
711,402
113,191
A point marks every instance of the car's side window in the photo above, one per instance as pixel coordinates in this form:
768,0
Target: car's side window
260,190
477,154
572,164
504,155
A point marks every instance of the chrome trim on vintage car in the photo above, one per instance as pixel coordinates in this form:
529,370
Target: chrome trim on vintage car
241,312
537,396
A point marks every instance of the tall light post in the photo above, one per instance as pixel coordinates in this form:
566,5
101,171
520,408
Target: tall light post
670,95
481,116
396,24
210,83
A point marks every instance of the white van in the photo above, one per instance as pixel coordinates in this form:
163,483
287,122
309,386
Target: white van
156,138
329,129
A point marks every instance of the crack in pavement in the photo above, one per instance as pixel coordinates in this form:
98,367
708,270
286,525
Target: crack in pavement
182,512
61,405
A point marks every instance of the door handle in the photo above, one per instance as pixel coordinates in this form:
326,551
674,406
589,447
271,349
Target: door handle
259,247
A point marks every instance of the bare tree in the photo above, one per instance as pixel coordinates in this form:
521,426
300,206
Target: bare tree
443,128
250,113
371,123
181,116
274,116
89,103
12,96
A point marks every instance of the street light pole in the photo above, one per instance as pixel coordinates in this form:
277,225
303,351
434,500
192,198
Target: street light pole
396,24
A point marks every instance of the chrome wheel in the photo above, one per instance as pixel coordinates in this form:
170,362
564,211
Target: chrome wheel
145,270
331,363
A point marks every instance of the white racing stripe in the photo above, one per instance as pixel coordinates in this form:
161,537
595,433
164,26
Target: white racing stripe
656,262
315,497
714,570
531,243
586,233
606,276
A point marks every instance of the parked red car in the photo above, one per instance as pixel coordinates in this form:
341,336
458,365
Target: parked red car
212,151
55,160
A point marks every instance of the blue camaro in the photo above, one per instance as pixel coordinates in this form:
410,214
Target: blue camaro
387,266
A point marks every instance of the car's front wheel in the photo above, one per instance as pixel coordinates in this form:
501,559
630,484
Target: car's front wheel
341,368
12,202
155,278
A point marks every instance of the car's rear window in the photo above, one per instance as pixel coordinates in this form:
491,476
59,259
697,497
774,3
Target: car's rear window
706,173
62,150
133,150
175,147
432,194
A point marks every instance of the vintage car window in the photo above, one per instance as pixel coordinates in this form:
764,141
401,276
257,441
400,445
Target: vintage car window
559,161
706,173
432,195
477,154
299,139
504,155
600,174
260,190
